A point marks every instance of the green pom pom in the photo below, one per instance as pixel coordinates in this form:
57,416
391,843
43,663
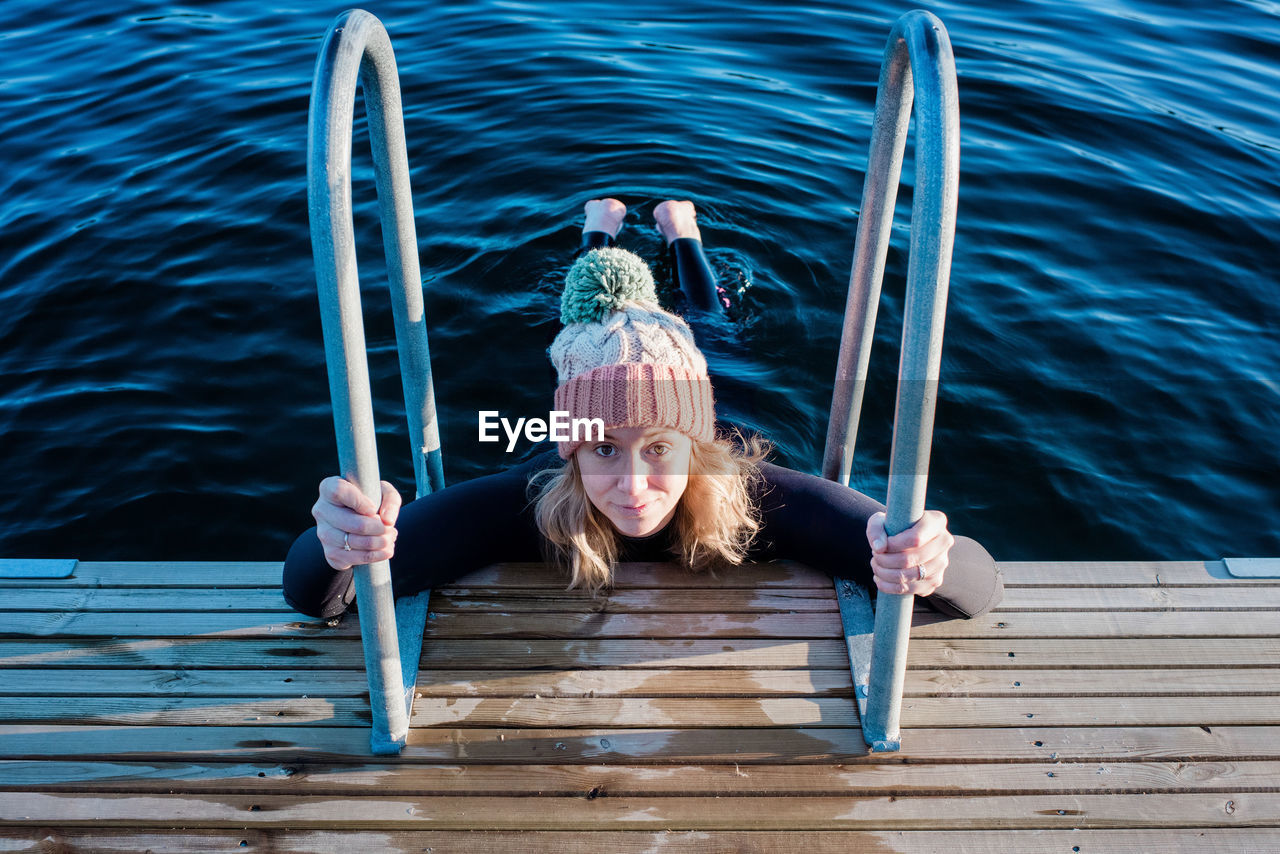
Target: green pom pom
601,281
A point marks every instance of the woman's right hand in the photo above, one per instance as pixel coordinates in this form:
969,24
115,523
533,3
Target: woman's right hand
350,528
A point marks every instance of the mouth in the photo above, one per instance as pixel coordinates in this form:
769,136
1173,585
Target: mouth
631,510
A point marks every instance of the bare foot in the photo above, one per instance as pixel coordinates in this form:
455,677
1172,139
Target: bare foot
604,215
677,219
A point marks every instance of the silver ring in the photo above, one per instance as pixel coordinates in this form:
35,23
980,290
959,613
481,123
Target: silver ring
346,544
920,568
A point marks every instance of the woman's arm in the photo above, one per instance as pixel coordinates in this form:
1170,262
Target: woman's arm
436,538
832,528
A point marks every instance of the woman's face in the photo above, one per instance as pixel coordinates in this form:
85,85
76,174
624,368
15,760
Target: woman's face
636,476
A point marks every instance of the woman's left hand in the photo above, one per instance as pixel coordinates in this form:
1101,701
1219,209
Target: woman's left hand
913,561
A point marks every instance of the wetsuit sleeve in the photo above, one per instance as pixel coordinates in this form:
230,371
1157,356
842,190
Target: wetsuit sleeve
692,276
442,536
823,524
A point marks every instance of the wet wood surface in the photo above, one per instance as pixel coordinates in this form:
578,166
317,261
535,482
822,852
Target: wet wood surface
183,707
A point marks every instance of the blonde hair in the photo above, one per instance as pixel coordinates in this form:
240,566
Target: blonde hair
714,524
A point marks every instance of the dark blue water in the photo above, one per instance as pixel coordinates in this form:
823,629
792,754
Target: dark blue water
1111,377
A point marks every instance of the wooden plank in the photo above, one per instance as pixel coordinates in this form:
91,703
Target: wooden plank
323,652
346,653
182,682
144,599
1217,597
667,654
267,624
622,780
200,574
1091,711
839,712
260,743
642,712
328,652
643,682
919,683
1253,809
37,568
1102,624
513,600
252,624
662,576
772,745
645,712
924,653
1088,682
284,841
436,683
1063,624
599,625
683,712
1099,573
227,574
1091,652
1118,624
634,682
189,711
785,574
926,624
1253,567
454,598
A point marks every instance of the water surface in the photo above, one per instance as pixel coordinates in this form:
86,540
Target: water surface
1111,358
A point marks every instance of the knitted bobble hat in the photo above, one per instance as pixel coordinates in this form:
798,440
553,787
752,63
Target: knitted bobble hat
621,357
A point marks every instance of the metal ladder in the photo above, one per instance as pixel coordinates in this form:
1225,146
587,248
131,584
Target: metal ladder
357,46
918,63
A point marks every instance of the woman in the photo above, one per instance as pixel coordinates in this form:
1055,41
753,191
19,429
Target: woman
660,484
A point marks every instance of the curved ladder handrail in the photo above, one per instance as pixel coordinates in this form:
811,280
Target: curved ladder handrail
357,46
918,62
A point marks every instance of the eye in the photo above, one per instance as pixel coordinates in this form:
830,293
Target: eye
660,450
605,450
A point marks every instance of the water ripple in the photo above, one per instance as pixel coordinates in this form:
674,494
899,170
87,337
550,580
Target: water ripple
1110,372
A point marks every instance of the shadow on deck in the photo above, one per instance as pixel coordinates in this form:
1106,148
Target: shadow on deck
184,707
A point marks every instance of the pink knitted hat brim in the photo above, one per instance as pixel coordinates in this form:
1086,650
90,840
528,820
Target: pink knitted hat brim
640,394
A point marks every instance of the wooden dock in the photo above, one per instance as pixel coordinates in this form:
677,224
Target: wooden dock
1106,707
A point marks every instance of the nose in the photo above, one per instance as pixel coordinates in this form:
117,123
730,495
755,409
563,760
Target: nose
634,477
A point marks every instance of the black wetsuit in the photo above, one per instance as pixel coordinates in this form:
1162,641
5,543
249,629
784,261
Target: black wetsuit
490,519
